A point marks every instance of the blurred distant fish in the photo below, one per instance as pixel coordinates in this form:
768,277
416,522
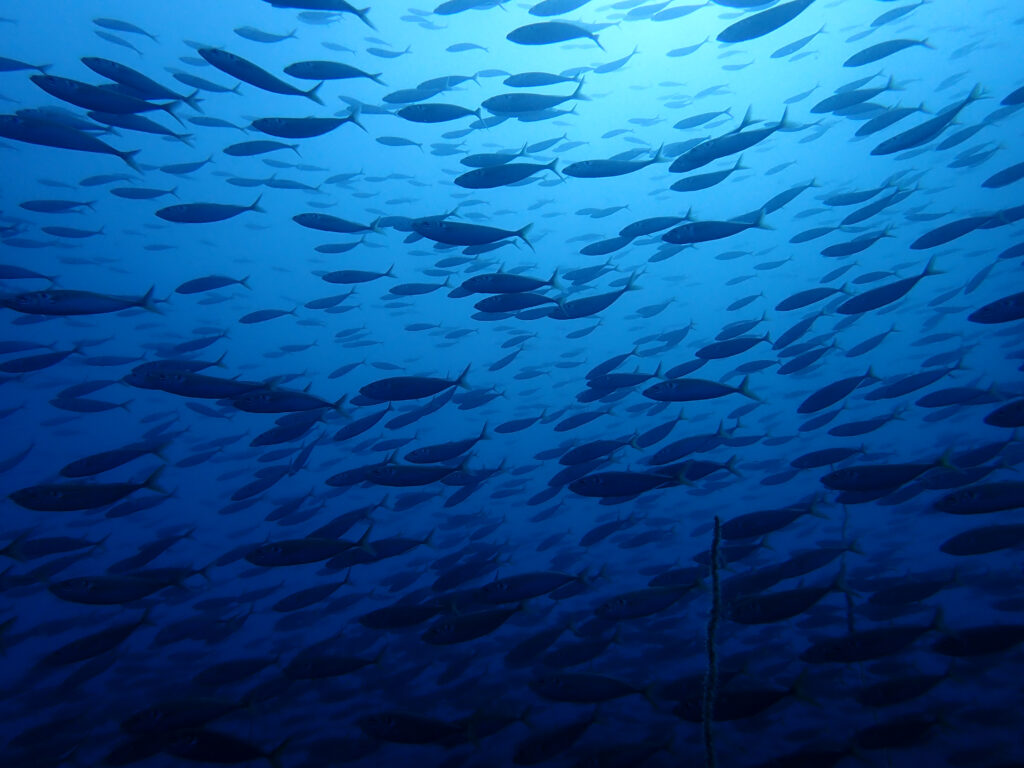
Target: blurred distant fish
117,25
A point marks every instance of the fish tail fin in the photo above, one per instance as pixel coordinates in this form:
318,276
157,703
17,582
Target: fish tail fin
461,381
363,17
148,303
555,282
748,119
799,688
428,541
522,233
256,204
312,93
946,460
169,109
193,100
785,124
274,755
153,481
364,541
173,192
129,157
353,117
593,36
553,167
578,93
854,546
930,268
744,389
651,693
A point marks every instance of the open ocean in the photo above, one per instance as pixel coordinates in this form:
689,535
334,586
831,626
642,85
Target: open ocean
579,383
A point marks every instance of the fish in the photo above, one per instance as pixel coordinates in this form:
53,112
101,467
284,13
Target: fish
548,32
928,130
70,497
687,389
886,294
48,134
302,127
119,25
461,233
879,51
328,70
68,303
137,81
260,36
594,169
248,72
525,104
205,213
763,23
329,6
1004,310
504,175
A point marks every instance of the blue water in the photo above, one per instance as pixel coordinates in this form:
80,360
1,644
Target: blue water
619,669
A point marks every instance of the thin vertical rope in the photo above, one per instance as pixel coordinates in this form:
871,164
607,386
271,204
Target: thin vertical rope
711,679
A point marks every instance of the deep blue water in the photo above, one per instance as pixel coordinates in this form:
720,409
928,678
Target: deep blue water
180,471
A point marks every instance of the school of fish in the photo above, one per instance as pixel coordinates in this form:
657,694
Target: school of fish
358,410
